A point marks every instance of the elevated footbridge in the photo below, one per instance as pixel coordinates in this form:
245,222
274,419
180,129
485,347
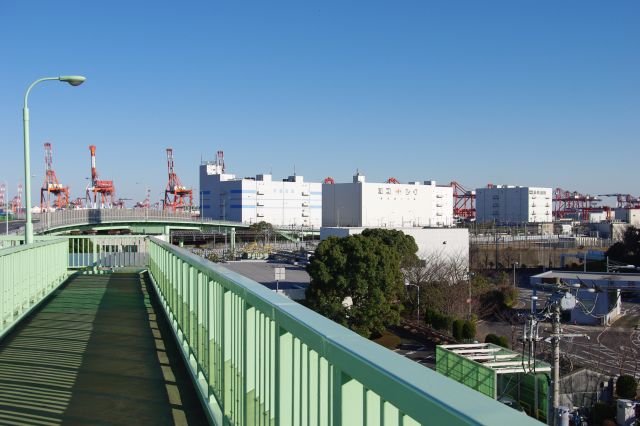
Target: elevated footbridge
134,330
137,221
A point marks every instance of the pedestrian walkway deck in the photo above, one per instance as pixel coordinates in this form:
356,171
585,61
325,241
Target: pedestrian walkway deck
98,352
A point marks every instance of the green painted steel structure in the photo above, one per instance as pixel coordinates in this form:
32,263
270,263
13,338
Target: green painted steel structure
470,373
257,357
531,390
28,274
261,359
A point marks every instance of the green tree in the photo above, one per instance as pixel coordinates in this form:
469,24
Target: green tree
261,226
361,268
405,245
627,250
626,387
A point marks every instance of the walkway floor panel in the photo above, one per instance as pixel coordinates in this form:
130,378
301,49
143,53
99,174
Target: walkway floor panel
99,352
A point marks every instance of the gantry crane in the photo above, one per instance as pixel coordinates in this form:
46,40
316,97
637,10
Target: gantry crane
567,202
16,202
146,203
105,188
51,184
464,202
626,201
78,203
3,206
175,194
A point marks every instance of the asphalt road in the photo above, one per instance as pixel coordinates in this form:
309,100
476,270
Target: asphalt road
13,225
263,272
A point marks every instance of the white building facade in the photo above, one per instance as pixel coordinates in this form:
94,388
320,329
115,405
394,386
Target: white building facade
506,204
287,202
444,243
630,216
368,204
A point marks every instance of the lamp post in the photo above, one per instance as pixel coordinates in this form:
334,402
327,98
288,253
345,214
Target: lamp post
407,284
6,206
74,80
514,274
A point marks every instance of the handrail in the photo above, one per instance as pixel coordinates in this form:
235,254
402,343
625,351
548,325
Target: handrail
261,357
64,218
28,274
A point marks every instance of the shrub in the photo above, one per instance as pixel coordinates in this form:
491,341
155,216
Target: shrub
469,330
497,340
456,329
509,296
388,340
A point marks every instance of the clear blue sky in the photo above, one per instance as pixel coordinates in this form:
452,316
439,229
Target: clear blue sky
524,92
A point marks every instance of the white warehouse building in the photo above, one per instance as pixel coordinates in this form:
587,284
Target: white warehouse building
391,205
442,243
289,202
506,204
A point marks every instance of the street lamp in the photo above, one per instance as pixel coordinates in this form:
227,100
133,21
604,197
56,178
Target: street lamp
74,80
514,274
5,191
407,284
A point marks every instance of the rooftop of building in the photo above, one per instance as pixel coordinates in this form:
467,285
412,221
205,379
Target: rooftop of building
585,276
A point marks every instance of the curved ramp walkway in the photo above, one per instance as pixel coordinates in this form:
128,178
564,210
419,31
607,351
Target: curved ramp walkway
97,354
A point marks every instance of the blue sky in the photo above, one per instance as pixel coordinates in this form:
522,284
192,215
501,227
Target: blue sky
524,92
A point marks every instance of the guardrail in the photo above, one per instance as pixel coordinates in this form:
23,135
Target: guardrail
62,218
95,252
28,274
107,251
259,358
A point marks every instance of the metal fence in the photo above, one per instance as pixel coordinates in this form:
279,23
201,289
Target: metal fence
260,358
105,252
61,218
28,274
95,252
528,241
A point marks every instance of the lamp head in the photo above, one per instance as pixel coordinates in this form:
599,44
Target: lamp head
74,80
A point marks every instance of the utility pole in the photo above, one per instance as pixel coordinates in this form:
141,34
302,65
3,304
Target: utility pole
555,343
496,237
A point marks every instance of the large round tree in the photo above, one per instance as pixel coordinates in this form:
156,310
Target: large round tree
363,269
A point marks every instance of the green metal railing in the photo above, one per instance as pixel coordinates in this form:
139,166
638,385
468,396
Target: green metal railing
28,274
95,252
262,359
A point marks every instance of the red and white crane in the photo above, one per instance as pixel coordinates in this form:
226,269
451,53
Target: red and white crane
102,191
146,203
3,190
51,185
176,195
16,202
464,202
625,201
574,203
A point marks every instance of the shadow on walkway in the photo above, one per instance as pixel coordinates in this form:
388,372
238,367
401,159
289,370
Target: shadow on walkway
99,352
